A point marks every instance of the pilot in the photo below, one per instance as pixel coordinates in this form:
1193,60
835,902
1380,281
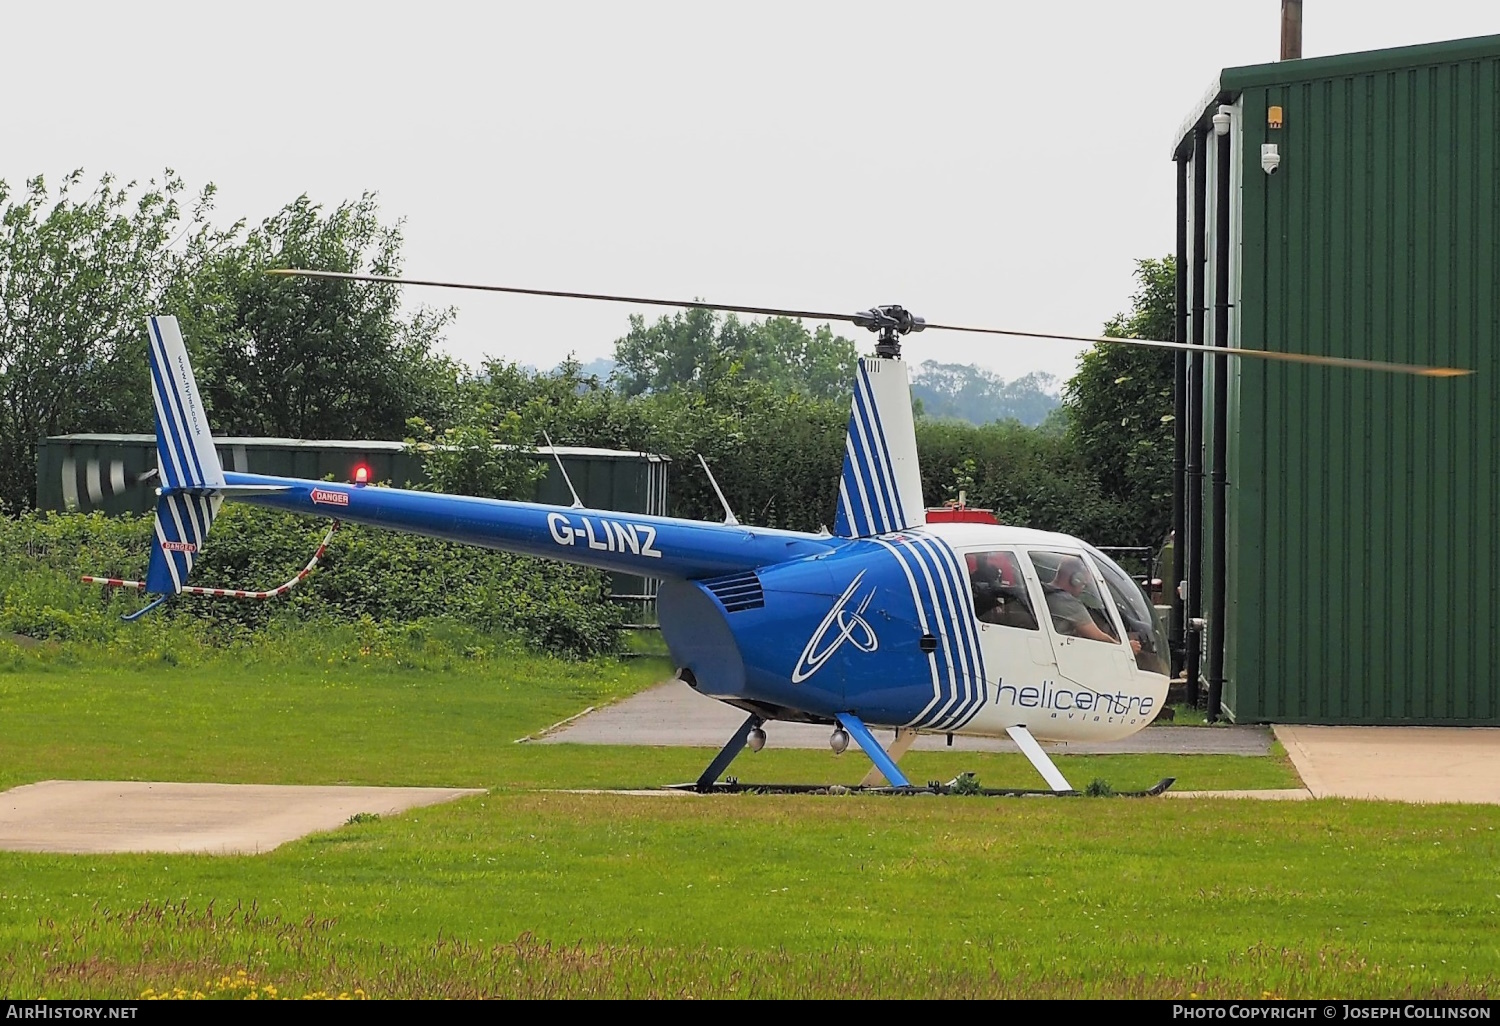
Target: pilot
1069,614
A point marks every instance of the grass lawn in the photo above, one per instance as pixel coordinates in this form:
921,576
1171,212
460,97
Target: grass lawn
524,892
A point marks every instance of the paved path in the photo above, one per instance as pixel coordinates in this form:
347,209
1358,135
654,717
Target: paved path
674,715
106,817
1408,764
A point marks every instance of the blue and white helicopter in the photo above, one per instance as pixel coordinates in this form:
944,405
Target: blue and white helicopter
887,622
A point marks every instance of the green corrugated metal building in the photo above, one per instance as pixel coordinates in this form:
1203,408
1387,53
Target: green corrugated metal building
103,472
1362,582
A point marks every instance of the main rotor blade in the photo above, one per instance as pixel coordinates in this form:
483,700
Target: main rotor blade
1259,354
692,304
769,311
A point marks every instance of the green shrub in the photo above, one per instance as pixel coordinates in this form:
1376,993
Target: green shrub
367,577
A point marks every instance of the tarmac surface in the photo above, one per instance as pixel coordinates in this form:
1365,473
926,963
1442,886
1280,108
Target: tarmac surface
100,817
1404,764
674,715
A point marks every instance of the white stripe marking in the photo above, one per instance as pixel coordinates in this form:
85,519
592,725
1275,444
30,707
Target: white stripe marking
869,470
916,598
884,468
957,590
172,430
166,556
943,631
851,461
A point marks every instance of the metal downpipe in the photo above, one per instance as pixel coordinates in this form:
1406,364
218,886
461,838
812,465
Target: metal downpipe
1221,423
1175,641
1193,465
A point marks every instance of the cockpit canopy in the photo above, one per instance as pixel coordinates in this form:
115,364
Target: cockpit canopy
1074,603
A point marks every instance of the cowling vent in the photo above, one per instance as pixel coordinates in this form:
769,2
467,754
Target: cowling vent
738,592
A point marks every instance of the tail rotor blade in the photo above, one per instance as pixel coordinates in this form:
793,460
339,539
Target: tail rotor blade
92,481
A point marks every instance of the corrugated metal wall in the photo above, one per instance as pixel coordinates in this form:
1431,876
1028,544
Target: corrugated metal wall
1364,569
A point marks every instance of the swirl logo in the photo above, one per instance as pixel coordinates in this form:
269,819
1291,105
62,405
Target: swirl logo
852,628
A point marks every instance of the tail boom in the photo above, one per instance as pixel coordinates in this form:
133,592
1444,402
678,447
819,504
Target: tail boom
651,546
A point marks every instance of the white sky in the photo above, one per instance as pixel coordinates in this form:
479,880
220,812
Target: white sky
995,163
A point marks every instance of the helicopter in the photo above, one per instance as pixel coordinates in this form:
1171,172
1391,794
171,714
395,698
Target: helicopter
889,621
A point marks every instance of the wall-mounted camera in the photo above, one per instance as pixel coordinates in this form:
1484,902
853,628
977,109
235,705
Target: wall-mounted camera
1270,159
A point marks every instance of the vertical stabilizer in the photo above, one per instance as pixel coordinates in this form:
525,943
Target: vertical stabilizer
187,460
880,490
184,445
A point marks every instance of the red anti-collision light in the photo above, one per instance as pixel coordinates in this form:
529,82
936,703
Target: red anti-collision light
361,475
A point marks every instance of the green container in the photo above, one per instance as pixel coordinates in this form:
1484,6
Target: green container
1363,573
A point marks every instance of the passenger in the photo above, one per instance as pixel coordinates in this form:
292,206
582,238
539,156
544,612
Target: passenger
984,578
999,594
1014,602
1069,613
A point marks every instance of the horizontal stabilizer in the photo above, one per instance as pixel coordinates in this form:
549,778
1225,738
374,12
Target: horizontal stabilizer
228,490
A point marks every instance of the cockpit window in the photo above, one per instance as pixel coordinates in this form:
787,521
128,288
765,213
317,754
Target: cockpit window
1000,590
1073,598
1141,626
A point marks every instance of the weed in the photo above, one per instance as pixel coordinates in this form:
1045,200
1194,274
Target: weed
964,784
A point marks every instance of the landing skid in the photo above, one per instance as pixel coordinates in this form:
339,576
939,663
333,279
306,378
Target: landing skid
953,787
884,765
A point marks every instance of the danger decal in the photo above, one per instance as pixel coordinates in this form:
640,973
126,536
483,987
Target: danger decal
330,498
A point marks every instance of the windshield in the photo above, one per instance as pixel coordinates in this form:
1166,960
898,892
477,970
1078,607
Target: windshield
1138,614
1073,599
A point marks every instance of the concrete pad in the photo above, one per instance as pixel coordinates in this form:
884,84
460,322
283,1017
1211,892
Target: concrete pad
108,817
1407,764
674,715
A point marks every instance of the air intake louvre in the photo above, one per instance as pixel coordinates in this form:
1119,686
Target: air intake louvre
738,591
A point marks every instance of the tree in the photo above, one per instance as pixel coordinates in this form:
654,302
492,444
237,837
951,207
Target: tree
781,352
307,357
483,454
78,277
959,391
697,347
675,351
1029,476
776,453
1119,406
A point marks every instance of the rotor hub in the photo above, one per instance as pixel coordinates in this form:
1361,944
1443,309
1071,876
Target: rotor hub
890,322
